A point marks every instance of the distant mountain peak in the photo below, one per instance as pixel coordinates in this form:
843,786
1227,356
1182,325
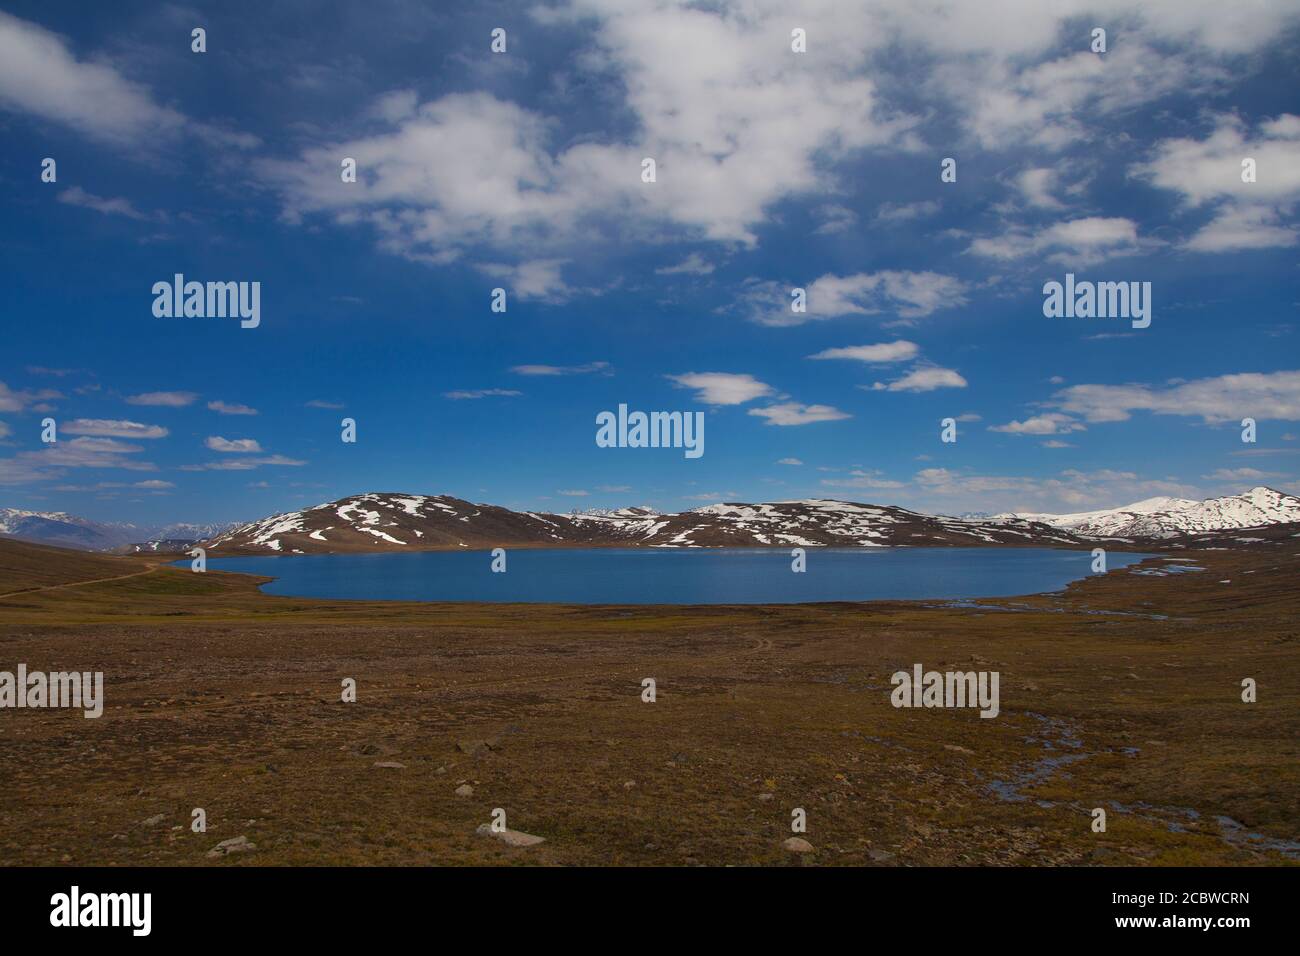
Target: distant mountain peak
1167,517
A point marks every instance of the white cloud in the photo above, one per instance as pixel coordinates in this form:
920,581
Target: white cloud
1035,186
794,413
907,294
789,461
1077,242
864,479
40,76
1224,398
235,445
76,196
722,388
693,265
923,379
946,490
226,408
1209,172
903,212
113,428
245,464
533,279
84,452
1242,474
17,401
1050,423
1243,227
163,399
899,351
835,219
587,369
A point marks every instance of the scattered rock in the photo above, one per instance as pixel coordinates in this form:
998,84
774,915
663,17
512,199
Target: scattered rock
237,844
464,790
629,785
389,764
765,797
510,837
475,748
880,856
960,750
155,820
798,845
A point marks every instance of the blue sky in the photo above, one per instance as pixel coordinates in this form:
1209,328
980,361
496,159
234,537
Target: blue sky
522,170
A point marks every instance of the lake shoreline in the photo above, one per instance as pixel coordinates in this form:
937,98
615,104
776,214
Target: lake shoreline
740,576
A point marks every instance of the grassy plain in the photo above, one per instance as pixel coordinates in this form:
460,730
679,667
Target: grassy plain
221,697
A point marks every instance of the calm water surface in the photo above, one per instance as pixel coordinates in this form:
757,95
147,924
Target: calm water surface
675,575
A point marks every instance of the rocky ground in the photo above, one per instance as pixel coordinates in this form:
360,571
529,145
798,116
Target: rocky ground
1124,693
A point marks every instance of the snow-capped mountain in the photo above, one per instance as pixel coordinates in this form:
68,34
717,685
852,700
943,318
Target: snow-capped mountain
1171,517
70,531
392,522
65,530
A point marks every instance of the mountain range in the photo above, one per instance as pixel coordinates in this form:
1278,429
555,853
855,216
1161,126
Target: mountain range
1169,517
393,522
69,531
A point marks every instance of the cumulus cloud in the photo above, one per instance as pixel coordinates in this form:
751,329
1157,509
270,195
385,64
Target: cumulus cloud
922,379
885,352
908,295
113,428
1223,398
233,445
722,388
41,76
1208,172
227,408
1076,242
794,413
1050,423
1035,186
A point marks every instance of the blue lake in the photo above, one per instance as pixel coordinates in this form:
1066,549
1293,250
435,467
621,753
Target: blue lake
675,575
